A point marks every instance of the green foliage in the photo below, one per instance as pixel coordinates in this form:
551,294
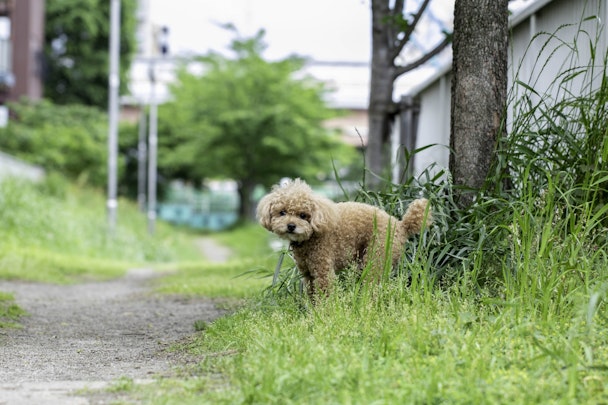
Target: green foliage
67,139
70,140
54,232
560,135
240,277
77,36
9,311
401,346
247,119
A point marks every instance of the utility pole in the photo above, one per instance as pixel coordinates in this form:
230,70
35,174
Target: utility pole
161,47
152,151
142,153
114,83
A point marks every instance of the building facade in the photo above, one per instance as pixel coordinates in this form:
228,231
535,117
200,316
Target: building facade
21,49
549,39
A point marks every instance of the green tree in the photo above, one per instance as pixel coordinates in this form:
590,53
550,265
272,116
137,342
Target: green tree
247,119
76,51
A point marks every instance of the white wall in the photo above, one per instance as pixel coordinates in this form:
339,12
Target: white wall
434,126
541,48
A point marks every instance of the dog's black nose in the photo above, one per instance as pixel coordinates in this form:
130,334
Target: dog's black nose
291,227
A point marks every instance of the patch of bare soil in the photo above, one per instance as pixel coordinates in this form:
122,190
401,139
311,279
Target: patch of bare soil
88,335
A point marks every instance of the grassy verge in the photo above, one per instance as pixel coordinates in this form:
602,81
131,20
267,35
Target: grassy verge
55,232
242,277
402,347
537,333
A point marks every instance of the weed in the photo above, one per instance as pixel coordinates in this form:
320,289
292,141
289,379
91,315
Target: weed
9,311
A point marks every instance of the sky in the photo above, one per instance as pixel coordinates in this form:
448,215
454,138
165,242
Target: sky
326,30
322,30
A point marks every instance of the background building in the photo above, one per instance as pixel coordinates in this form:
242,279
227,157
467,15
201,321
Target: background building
21,49
548,37
21,68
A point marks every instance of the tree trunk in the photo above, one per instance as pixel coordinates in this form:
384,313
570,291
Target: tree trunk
246,208
381,93
479,90
380,112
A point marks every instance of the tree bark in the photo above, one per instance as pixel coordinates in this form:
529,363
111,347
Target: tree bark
479,90
381,91
246,205
391,31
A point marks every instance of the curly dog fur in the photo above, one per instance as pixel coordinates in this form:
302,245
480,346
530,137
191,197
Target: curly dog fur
328,237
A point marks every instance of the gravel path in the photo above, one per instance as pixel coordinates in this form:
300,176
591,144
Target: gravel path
88,335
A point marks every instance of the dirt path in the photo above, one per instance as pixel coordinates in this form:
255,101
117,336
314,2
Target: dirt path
88,335
213,251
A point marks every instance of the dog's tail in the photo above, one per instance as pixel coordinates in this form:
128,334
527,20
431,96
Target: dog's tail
417,216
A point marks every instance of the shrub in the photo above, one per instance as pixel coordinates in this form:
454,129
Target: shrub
69,139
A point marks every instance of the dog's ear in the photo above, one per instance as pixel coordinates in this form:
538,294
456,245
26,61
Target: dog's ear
323,215
263,211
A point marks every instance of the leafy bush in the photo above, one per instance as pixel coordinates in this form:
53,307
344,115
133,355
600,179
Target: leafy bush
70,139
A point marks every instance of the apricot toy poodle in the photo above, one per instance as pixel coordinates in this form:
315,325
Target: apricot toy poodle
328,237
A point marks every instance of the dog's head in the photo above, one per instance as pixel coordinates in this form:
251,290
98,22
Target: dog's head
294,212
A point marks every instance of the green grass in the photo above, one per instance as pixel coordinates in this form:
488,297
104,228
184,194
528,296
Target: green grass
248,240
234,279
55,232
402,347
9,311
245,276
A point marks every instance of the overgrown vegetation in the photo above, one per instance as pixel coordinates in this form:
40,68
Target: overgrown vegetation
504,302
56,232
70,140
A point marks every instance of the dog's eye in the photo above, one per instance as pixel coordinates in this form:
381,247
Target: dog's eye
282,213
303,215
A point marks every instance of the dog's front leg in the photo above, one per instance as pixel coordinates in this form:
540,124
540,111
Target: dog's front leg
309,284
322,278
